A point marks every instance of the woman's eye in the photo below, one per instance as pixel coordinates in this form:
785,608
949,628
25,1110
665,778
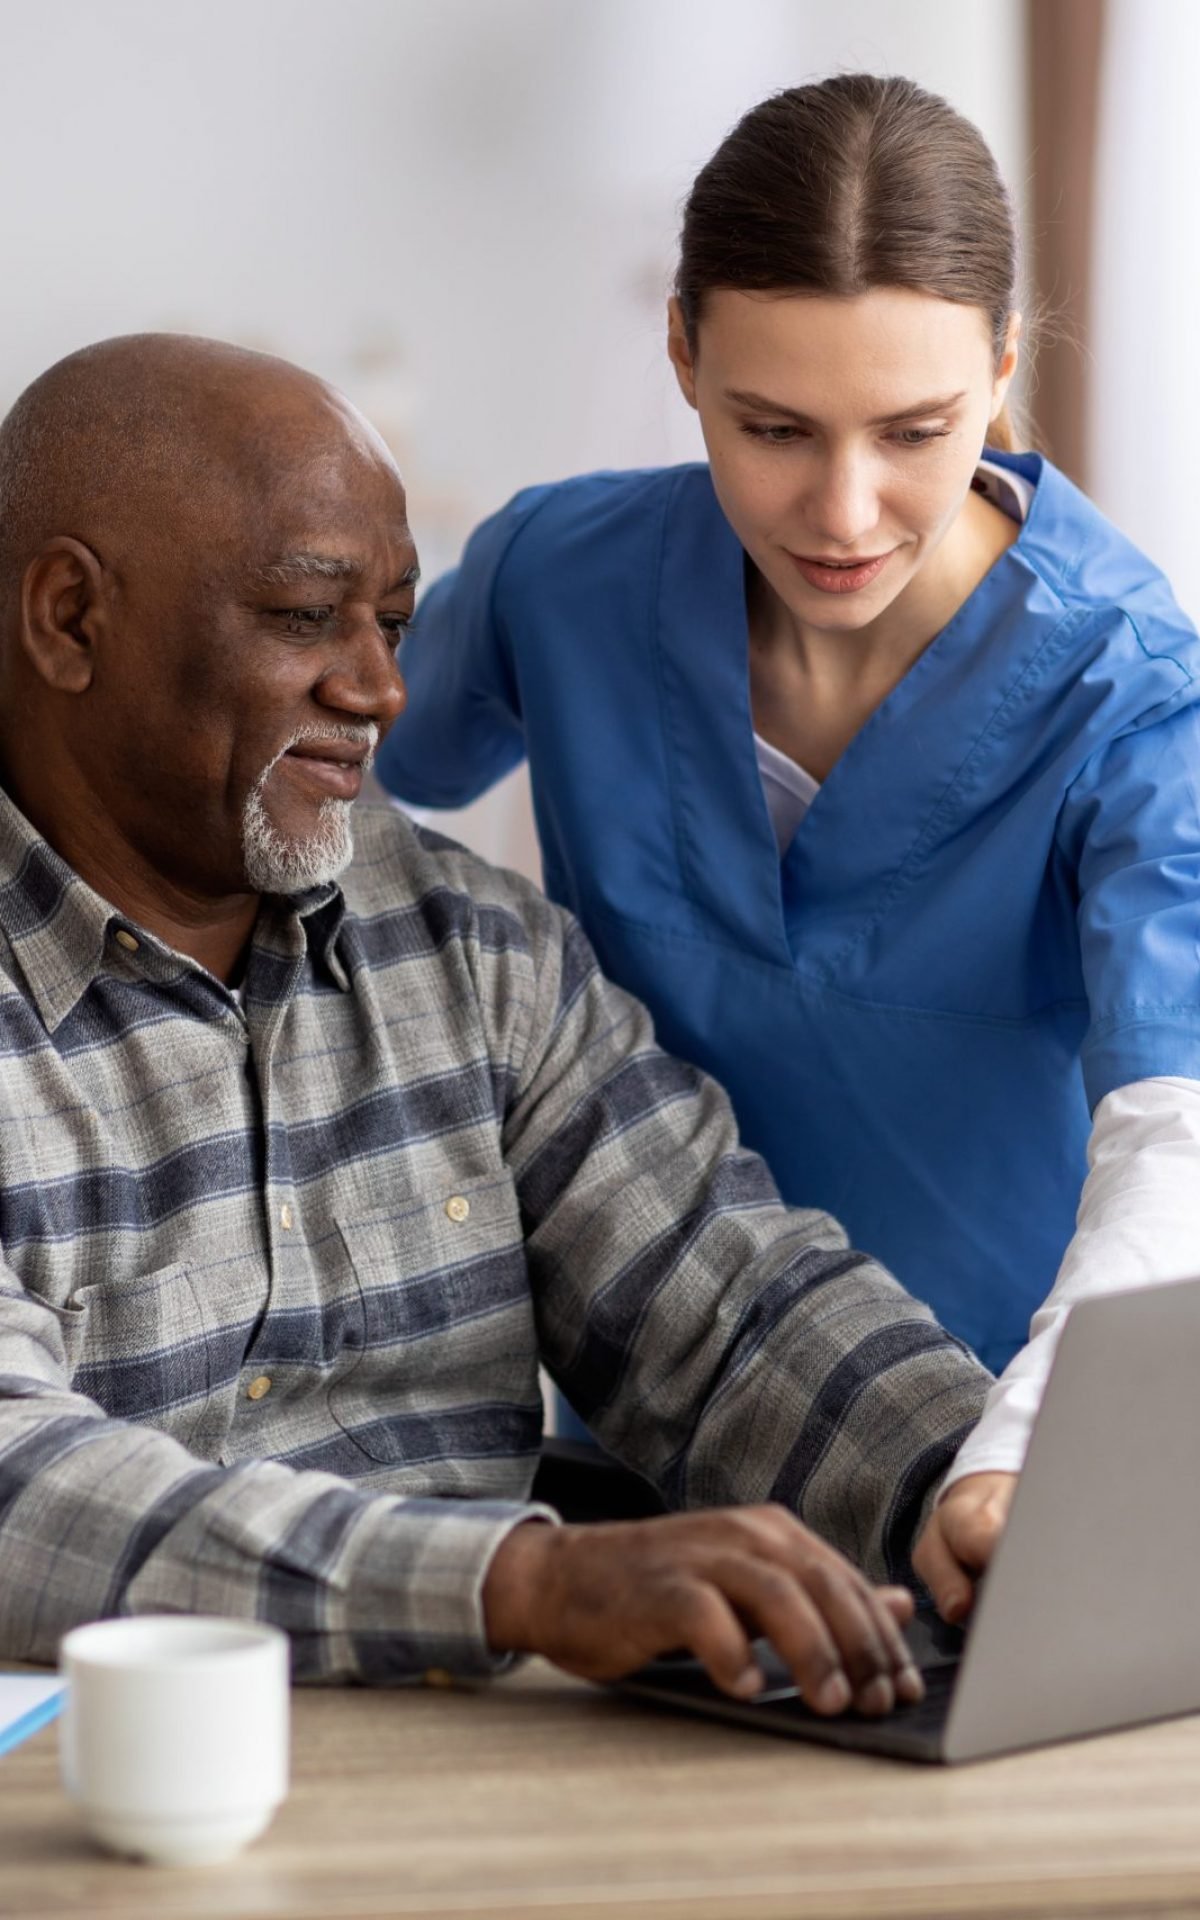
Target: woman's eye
773,436
917,436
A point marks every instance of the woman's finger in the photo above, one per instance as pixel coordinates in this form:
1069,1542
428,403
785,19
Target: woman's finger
936,1564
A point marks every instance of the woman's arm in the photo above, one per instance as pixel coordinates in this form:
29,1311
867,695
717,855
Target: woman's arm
1138,1226
1129,845
461,728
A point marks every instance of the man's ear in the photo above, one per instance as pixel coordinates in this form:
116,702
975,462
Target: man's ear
679,352
63,613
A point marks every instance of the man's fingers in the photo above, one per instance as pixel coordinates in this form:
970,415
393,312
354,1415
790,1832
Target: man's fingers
702,1619
602,1601
899,1603
835,1649
841,1637
771,1604
874,1652
865,1620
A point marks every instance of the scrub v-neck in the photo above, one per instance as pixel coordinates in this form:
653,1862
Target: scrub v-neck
789,787
880,796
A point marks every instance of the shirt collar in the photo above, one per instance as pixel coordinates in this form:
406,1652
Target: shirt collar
61,931
321,913
56,925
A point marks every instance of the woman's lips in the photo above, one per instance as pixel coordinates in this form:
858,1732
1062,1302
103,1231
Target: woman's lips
829,578
340,779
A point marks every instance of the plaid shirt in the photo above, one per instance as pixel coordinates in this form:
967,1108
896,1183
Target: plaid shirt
278,1271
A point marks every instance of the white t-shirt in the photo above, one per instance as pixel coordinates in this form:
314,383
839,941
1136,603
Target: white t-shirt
788,790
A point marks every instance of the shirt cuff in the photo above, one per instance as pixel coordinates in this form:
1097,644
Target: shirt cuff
411,1592
1001,1440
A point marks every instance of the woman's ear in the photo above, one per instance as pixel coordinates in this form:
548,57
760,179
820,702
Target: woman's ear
679,351
63,613
1008,364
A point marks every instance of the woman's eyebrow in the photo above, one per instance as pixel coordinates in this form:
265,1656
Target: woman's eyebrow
920,409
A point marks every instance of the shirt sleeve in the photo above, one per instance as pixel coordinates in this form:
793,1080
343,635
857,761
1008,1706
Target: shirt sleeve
730,1348
101,1516
1129,834
461,728
1138,1226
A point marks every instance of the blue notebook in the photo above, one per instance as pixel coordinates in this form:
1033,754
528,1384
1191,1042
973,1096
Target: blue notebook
27,1702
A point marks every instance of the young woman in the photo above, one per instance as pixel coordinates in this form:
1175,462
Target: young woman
868,753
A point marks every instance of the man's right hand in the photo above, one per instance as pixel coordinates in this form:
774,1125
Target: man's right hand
600,1601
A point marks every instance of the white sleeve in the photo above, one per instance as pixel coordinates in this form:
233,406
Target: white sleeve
1138,1224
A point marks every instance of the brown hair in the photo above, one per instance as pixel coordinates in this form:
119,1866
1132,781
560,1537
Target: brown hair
852,183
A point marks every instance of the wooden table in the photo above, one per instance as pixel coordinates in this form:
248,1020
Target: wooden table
543,1797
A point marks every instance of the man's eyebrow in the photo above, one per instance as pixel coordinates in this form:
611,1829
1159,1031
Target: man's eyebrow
305,566
294,567
921,409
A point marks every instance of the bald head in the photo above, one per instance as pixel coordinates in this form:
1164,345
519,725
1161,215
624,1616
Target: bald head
205,570
123,438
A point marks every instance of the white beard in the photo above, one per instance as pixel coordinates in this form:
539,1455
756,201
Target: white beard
275,864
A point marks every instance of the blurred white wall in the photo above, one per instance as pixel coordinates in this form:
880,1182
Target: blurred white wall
1145,375
462,211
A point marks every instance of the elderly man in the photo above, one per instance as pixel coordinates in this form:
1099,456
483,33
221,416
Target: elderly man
312,1151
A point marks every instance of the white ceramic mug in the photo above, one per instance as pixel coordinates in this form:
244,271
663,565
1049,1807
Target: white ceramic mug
174,1737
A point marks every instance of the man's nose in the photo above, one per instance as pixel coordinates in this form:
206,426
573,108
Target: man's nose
365,679
842,508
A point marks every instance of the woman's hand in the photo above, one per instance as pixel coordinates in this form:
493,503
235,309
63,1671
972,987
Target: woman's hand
603,1600
960,1538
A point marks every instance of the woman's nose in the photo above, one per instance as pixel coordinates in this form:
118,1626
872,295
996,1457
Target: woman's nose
842,508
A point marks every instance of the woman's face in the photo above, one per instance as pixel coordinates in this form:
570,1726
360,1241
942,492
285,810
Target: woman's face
843,435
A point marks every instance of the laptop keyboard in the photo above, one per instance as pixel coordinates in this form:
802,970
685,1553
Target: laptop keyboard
909,1732
921,1716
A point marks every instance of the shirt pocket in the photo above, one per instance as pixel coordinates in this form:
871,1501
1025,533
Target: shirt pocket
447,1369
139,1347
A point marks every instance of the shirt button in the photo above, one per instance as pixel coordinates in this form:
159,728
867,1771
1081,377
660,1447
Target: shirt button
457,1208
127,940
285,1217
437,1677
258,1389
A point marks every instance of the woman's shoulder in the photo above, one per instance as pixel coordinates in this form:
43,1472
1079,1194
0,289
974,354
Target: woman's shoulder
1089,565
599,513
607,485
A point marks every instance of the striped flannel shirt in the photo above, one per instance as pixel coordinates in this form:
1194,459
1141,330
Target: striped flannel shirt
279,1267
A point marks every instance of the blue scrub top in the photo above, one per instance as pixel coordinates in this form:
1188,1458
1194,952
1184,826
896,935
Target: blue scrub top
988,920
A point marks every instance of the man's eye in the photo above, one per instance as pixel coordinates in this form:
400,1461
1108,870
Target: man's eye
303,622
395,625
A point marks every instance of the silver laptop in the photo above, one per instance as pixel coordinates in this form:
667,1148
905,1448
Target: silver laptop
1088,1618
